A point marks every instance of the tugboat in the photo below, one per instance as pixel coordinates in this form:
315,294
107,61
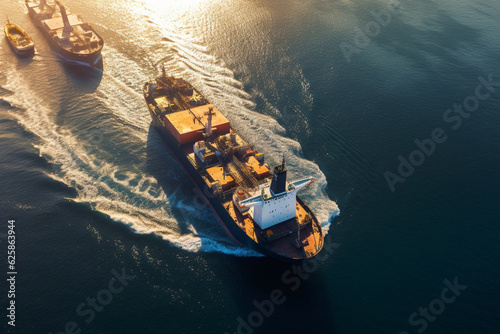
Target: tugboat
19,40
258,207
71,38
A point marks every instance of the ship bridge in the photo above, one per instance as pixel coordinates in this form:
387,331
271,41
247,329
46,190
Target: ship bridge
275,204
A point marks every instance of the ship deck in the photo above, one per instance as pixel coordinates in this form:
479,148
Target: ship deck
297,238
80,40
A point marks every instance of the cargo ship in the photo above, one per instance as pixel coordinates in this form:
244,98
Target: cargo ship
258,207
71,38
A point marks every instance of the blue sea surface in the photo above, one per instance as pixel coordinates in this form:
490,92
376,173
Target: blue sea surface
392,106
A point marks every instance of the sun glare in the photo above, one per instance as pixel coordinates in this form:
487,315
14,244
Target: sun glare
171,4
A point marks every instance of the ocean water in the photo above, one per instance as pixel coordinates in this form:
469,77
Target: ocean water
392,106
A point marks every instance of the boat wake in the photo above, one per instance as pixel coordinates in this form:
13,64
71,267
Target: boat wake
100,142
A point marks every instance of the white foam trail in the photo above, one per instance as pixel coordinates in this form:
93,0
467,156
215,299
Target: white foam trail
123,191
187,54
143,206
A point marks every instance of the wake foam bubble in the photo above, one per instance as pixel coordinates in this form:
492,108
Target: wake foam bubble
124,191
124,194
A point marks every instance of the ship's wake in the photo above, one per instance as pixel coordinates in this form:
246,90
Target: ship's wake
101,144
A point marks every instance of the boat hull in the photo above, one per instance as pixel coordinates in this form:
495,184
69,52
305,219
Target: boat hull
20,50
24,53
234,231
93,59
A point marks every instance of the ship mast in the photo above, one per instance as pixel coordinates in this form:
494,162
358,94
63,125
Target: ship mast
163,73
208,125
67,25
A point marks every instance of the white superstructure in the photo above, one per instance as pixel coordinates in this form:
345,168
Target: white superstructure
268,207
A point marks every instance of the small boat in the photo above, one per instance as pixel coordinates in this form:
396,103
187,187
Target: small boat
19,40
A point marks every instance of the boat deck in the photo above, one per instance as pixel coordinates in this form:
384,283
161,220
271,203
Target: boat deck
238,167
296,238
18,39
80,39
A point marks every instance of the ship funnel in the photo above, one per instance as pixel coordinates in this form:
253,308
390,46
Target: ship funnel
67,26
41,5
278,184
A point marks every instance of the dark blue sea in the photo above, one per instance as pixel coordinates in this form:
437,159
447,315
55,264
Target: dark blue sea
392,106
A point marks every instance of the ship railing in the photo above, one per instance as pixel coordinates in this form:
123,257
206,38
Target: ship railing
286,233
186,106
192,161
228,194
251,180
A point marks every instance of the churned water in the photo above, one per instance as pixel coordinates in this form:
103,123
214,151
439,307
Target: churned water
392,106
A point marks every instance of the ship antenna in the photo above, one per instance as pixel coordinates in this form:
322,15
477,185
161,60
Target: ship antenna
163,73
283,163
